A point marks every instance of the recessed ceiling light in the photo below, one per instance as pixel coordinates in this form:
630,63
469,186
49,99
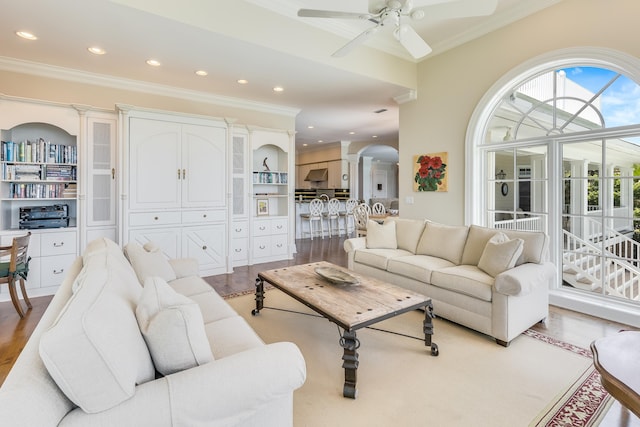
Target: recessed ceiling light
96,50
304,145
278,89
310,127
26,35
202,73
320,140
374,136
352,133
242,81
153,62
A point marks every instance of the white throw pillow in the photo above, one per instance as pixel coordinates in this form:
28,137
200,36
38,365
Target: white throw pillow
500,254
381,236
173,328
443,241
149,261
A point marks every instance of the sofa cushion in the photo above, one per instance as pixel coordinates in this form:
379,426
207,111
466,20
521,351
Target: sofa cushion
535,245
381,236
149,261
476,241
94,350
500,254
418,267
408,232
378,258
443,241
173,328
464,279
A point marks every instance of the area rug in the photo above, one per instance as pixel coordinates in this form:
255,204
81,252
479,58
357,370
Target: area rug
583,404
473,382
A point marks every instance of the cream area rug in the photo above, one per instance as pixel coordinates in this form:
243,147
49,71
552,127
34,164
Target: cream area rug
473,382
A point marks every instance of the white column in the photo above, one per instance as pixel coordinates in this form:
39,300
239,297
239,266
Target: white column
354,179
366,178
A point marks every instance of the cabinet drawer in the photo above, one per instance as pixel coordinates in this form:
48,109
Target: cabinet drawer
239,230
58,243
279,245
54,269
240,251
141,219
262,228
204,216
262,246
279,226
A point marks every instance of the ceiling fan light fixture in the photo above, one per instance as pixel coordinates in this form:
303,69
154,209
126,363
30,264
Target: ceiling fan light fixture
96,50
417,14
26,35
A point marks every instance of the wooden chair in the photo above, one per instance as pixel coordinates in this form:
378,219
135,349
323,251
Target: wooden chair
361,216
616,358
366,207
14,265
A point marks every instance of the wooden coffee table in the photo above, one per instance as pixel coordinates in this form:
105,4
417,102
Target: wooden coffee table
351,307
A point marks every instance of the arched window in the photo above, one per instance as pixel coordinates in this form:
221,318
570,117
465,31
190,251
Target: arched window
557,143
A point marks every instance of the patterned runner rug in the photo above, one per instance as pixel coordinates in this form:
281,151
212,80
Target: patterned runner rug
583,404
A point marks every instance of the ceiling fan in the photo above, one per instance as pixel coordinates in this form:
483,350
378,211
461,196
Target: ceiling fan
398,13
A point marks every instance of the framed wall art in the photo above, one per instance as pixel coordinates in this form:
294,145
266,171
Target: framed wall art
263,207
430,172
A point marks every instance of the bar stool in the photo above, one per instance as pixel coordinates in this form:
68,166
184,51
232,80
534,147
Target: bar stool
333,217
315,215
347,216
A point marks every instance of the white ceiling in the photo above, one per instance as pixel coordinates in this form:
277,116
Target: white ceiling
258,40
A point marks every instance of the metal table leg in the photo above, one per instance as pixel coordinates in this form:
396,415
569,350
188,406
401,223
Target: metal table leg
259,296
350,344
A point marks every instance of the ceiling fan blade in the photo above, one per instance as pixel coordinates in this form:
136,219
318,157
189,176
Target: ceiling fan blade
361,38
313,13
412,41
459,9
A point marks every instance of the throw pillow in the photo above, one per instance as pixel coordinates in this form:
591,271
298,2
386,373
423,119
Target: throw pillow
443,241
172,327
381,236
500,254
149,261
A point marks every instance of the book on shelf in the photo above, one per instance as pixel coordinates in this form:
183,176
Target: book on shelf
39,151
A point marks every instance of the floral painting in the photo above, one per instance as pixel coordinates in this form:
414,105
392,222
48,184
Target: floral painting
430,172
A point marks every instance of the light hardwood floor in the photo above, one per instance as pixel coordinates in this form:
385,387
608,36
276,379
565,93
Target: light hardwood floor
575,328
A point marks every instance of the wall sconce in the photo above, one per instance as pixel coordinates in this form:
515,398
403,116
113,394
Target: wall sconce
504,188
501,175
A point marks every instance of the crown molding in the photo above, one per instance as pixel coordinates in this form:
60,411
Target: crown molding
76,76
410,95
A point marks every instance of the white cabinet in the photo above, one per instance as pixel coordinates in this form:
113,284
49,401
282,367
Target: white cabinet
177,165
100,181
177,168
239,243
272,191
40,166
270,239
239,228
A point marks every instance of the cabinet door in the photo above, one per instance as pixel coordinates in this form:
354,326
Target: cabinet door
203,166
155,169
101,182
207,245
168,239
239,173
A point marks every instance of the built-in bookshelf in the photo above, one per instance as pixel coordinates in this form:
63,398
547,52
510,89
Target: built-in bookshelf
38,167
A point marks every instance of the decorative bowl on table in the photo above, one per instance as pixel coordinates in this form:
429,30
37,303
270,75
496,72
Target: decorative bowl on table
336,276
394,211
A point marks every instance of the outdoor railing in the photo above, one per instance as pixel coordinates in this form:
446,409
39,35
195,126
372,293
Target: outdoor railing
532,223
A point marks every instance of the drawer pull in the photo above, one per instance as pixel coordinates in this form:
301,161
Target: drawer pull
279,227
279,245
204,216
58,271
262,228
262,247
238,230
178,173
238,250
58,245
155,218
204,248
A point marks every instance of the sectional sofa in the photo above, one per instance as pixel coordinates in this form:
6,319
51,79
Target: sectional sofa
109,351
493,281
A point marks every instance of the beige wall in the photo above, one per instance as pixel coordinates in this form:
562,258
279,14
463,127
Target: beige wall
451,84
70,92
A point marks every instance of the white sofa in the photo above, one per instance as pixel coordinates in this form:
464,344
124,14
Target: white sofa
98,353
493,281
